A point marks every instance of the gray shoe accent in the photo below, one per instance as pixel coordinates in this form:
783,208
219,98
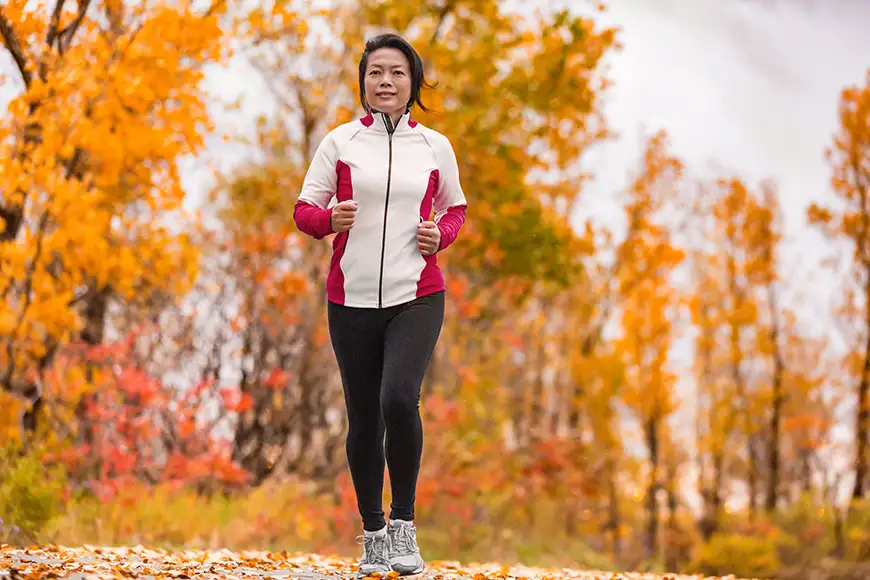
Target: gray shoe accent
376,554
405,555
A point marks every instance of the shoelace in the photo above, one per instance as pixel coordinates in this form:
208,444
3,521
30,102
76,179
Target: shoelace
371,554
403,540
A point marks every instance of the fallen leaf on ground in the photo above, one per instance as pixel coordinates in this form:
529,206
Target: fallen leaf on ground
100,562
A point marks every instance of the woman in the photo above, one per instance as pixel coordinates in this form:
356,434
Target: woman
385,290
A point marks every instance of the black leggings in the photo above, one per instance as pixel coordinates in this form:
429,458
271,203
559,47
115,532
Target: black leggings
382,356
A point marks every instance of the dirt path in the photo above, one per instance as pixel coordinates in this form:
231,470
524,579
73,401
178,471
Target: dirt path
90,562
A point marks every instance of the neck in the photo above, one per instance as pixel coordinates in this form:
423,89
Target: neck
396,116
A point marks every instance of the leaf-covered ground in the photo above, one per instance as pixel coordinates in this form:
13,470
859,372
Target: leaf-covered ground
89,562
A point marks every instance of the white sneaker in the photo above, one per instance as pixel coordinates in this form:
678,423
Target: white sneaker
376,553
404,553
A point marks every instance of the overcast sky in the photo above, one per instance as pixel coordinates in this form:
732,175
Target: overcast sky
749,85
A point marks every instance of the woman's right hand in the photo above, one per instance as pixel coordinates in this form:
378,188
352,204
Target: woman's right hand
343,215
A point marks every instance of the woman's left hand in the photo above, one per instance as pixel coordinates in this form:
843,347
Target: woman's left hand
428,238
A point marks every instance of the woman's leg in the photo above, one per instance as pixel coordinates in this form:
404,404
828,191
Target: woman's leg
357,336
410,339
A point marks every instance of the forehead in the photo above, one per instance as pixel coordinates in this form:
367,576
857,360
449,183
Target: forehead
387,58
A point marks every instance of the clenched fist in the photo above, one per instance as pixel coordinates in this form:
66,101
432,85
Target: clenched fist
343,215
428,238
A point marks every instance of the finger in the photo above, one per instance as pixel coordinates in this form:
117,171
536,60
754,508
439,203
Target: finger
427,225
427,231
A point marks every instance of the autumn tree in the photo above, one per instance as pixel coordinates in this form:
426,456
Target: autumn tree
768,236
712,425
849,222
110,99
799,388
647,325
648,314
739,365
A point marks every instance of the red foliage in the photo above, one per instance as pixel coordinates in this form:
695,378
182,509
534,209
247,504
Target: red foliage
133,426
277,379
236,401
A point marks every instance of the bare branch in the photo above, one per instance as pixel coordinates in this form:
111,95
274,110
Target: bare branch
14,48
51,36
66,35
448,7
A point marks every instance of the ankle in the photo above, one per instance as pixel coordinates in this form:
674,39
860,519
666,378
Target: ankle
379,532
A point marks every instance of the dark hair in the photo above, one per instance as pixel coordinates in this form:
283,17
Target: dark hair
418,79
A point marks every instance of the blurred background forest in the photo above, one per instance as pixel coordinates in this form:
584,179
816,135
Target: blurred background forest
660,391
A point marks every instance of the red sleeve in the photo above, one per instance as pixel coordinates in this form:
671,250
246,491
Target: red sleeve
312,220
450,223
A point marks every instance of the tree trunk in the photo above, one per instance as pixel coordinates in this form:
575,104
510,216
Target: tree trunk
776,414
614,520
862,422
651,503
752,477
709,524
537,402
671,555
92,335
839,535
806,472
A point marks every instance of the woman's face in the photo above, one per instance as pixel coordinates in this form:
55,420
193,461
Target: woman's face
388,81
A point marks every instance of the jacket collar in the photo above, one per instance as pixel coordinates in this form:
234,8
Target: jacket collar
381,122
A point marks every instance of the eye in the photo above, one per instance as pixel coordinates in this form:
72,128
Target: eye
400,72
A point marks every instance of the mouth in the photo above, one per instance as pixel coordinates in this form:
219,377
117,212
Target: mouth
385,94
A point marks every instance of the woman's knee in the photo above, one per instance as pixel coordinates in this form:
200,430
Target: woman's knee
399,406
364,425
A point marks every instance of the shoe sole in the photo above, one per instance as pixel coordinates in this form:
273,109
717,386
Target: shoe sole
421,573
360,575
424,575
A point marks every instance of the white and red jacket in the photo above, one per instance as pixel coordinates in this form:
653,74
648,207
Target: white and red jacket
397,175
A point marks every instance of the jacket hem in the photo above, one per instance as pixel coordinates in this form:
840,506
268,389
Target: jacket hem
374,305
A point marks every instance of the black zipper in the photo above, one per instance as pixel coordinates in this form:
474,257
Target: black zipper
389,124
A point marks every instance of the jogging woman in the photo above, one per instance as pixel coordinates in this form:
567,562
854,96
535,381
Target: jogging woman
385,291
